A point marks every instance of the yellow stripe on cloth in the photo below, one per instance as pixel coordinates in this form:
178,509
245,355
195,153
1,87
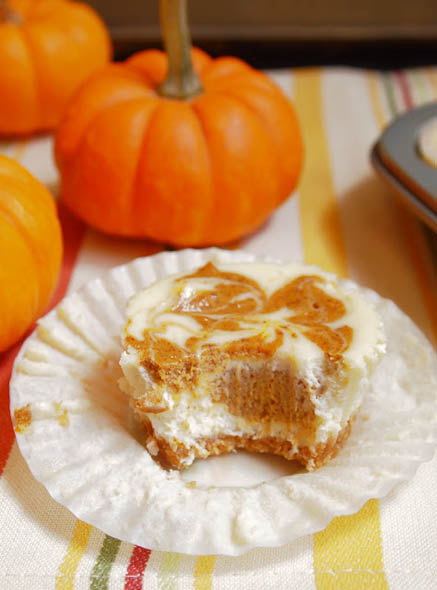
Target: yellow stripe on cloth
348,553
68,567
374,97
322,234
350,548
203,572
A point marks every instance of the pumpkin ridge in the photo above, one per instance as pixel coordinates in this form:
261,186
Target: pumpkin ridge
139,63
49,208
136,174
29,44
69,156
249,222
251,109
25,239
20,298
146,78
261,120
26,97
142,158
75,161
210,166
213,173
21,229
52,22
27,181
263,126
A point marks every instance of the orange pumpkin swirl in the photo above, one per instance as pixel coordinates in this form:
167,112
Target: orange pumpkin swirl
187,172
269,358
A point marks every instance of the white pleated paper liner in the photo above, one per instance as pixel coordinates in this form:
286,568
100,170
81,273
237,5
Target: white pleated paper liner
81,444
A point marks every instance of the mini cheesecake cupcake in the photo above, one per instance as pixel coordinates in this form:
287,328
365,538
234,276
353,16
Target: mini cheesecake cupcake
271,358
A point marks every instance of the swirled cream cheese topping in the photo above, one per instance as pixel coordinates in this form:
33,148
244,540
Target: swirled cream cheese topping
268,357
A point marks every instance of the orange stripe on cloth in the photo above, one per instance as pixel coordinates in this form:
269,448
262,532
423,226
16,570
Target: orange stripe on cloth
76,548
322,234
341,560
203,572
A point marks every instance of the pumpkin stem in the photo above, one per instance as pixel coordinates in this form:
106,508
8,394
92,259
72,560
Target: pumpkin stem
182,81
7,14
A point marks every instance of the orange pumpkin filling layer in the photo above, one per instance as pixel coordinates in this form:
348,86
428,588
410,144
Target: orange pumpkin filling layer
220,359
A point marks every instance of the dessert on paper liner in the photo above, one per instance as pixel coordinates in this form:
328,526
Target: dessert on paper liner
102,448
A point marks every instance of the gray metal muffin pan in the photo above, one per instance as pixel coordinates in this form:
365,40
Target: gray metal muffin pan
396,158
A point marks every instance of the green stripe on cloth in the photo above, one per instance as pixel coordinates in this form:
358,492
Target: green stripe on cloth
389,91
418,82
167,577
102,568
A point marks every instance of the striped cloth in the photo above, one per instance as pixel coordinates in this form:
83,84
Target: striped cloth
341,218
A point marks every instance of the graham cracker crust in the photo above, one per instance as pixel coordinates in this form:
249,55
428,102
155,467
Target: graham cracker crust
311,459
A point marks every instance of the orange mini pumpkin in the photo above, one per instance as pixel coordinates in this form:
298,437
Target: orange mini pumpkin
180,160
30,250
47,49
